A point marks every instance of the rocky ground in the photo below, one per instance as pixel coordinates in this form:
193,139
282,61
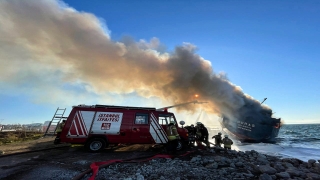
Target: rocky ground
213,163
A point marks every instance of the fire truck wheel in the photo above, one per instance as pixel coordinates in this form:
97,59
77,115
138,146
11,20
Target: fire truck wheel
96,144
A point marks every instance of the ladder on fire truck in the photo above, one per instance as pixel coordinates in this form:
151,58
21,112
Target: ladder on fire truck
53,124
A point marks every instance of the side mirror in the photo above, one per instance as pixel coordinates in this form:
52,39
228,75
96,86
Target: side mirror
182,123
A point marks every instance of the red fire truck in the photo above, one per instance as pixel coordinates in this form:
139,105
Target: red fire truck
97,126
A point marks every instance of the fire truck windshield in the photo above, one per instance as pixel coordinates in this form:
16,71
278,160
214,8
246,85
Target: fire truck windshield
164,119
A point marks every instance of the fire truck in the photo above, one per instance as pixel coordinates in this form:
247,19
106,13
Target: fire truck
98,126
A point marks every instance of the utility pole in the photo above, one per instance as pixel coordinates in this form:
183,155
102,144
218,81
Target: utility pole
1,126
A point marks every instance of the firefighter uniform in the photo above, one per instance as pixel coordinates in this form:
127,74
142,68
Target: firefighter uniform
58,131
202,134
173,137
192,134
217,139
198,131
227,142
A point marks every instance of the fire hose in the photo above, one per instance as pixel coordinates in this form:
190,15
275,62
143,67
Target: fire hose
94,167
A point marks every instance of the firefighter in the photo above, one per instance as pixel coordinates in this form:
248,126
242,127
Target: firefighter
173,137
198,131
191,129
217,139
58,131
227,142
191,134
202,134
205,135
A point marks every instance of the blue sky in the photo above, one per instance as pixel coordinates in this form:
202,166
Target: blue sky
268,48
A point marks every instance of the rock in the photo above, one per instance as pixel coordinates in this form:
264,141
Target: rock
304,165
205,161
279,167
248,153
267,169
239,164
1,152
303,175
311,161
293,171
274,176
195,159
262,156
262,161
213,165
287,165
283,175
253,168
295,162
240,153
265,176
232,165
247,175
218,158
313,176
140,177
222,172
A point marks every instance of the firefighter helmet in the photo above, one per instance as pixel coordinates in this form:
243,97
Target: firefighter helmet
226,135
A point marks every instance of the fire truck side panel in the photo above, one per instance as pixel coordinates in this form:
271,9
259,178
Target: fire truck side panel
77,125
140,128
107,123
124,134
81,124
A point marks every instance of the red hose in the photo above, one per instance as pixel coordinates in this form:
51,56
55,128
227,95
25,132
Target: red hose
96,165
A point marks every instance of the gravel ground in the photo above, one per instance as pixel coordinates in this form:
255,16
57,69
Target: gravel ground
214,163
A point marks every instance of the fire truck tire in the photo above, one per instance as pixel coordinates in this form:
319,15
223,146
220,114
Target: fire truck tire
95,144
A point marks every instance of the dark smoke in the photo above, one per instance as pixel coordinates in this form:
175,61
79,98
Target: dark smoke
42,42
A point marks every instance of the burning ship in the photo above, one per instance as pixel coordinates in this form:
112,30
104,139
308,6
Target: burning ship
253,126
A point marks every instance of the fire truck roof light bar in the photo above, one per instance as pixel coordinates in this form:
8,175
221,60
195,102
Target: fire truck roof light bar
124,107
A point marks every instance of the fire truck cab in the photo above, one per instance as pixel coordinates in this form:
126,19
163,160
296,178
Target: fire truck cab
97,126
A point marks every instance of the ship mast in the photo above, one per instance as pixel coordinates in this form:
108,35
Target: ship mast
263,100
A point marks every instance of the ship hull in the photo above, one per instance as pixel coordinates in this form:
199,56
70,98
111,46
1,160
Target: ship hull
251,131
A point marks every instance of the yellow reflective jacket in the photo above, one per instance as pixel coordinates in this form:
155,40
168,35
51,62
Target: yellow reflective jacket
227,142
60,127
172,132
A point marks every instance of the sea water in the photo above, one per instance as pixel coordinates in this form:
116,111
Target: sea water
301,141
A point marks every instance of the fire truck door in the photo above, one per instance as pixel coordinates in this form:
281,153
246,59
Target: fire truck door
157,131
140,129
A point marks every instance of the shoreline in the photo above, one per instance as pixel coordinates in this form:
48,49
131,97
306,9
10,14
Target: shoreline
217,163
211,163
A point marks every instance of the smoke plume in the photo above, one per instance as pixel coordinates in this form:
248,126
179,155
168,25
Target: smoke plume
46,42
